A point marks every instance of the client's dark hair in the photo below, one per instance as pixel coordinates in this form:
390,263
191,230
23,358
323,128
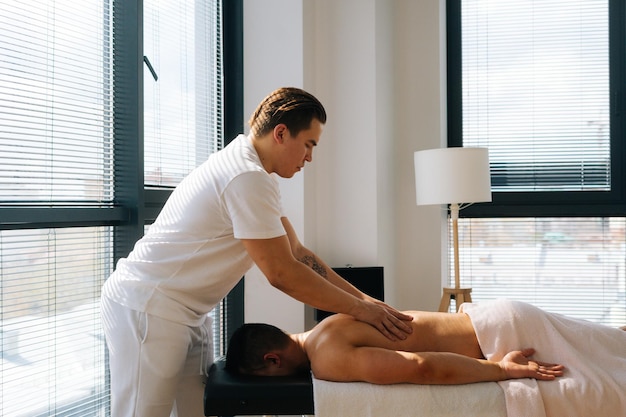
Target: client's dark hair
249,343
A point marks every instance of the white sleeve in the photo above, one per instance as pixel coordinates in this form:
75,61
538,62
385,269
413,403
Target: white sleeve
253,202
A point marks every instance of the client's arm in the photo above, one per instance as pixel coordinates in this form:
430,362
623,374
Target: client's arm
382,366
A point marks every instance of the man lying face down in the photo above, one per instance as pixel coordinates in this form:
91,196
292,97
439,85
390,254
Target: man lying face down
442,349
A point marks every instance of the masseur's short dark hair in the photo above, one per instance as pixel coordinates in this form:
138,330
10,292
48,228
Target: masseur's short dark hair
250,343
293,107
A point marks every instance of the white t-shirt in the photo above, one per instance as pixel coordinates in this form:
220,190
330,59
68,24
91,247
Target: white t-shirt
192,255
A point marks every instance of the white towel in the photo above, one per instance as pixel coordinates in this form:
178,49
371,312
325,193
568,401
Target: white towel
360,399
595,357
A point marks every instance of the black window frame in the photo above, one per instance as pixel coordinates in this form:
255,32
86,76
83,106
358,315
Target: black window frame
554,203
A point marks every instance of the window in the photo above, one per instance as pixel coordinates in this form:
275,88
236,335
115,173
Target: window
540,83
182,98
55,152
573,266
74,196
56,102
53,352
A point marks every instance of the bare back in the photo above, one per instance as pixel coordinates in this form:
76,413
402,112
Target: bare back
337,336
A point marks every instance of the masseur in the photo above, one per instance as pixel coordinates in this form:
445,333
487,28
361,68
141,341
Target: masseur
225,216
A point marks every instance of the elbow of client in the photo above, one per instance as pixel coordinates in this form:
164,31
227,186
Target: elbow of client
428,373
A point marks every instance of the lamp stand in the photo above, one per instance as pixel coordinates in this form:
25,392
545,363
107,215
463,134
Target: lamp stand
460,295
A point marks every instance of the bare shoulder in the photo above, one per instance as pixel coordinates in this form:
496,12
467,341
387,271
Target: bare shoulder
343,325
335,318
331,330
329,346
334,333
340,333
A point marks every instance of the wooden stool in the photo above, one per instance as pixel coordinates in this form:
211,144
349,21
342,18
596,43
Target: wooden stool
460,295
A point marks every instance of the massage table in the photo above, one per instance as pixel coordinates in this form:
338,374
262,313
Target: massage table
230,395
593,383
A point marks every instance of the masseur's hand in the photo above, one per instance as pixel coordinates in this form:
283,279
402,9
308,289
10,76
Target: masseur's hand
517,364
389,321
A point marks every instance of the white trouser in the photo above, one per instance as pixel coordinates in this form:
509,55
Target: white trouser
157,366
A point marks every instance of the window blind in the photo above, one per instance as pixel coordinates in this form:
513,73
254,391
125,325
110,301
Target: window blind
55,102
572,266
53,352
55,150
535,91
183,106
57,156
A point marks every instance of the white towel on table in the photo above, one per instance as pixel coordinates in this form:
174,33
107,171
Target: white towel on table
595,357
360,399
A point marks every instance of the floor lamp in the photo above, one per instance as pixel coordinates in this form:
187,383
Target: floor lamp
456,177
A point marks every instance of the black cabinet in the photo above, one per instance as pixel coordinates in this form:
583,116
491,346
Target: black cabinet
368,279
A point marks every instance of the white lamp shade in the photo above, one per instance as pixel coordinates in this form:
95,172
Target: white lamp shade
452,176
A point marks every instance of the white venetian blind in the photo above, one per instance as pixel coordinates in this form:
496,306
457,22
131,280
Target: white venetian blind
55,150
572,266
536,92
183,107
53,351
55,102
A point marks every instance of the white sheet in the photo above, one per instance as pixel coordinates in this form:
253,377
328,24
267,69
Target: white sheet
360,399
595,357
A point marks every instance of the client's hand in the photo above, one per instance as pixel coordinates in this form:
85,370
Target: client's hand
517,364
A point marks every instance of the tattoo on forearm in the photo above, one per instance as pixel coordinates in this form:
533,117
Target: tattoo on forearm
312,263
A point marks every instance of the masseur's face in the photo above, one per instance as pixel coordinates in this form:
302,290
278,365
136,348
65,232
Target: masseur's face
297,150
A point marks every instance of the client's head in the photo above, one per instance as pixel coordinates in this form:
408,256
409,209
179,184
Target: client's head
263,349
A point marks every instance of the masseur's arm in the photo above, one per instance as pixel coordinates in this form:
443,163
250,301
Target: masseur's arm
383,366
297,272
307,257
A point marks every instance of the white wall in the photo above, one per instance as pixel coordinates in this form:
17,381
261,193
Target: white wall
274,57
377,67
420,123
